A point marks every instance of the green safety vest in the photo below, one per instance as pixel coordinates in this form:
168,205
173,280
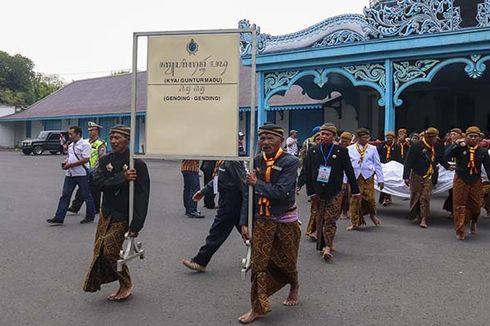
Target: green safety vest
94,155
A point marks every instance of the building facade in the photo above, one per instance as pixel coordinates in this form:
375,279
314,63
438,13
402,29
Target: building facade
402,63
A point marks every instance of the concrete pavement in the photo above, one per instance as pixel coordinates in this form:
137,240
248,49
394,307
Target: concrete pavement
397,274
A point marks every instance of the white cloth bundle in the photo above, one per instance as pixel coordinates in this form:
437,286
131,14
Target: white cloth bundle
394,184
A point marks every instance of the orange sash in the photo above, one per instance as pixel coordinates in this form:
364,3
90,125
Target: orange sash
264,202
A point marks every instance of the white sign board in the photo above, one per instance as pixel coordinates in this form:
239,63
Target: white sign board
192,107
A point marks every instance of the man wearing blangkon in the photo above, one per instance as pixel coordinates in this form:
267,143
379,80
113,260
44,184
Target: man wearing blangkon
112,177
276,232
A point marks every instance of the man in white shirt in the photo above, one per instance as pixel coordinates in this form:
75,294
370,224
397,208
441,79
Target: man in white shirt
365,161
77,167
292,143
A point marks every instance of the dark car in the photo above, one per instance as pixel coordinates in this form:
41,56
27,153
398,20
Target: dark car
46,141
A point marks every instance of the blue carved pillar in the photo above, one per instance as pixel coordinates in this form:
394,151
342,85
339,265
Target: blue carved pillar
389,104
261,113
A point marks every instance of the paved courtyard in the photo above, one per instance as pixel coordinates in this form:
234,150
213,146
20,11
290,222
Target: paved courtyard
397,274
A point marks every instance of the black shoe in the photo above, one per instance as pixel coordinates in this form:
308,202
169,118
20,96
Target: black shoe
195,214
87,220
54,222
73,210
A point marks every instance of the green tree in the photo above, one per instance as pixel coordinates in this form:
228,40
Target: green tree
16,73
43,85
20,85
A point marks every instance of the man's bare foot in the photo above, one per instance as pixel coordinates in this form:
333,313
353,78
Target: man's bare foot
293,297
375,220
423,225
459,236
311,236
352,228
327,253
473,228
249,317
124,293
113,295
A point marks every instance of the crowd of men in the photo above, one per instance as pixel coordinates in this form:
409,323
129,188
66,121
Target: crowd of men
337,168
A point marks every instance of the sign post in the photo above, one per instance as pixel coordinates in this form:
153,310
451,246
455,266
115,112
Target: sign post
193,87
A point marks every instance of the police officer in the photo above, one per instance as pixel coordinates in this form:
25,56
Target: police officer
98,149
232,189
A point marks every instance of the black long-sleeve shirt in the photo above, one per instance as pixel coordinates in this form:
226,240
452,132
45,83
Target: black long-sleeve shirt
462,156
340,163
401,151
281,191
231,177
418,160
395,154
109,177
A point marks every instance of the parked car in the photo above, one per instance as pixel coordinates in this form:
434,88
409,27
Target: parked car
46,141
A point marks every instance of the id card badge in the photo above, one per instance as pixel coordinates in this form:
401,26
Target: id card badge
215,185
324,174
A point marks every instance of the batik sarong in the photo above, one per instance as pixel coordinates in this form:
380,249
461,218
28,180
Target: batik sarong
420,193
311,229
486,197
109,239
466,202
345,199
274,258
367,205
328,214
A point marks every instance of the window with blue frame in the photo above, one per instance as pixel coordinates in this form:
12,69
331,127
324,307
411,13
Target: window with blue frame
271,116
52,124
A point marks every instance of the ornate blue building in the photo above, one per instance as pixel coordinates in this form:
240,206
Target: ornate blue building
403,63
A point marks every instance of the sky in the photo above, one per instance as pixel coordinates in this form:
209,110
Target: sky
85,39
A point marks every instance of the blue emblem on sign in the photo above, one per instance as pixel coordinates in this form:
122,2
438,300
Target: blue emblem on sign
192,47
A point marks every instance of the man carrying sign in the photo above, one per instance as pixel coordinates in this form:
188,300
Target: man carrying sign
276,232
113,177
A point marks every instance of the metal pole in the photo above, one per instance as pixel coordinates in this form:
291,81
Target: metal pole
132,141
252,131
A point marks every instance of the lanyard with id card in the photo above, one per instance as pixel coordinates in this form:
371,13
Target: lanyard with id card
324,170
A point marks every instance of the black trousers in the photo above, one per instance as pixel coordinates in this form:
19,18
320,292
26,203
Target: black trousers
77,203
208,198
227,218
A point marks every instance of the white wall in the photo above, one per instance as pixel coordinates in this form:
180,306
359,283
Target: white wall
7,134
330,115
348,121
6,110
284,121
